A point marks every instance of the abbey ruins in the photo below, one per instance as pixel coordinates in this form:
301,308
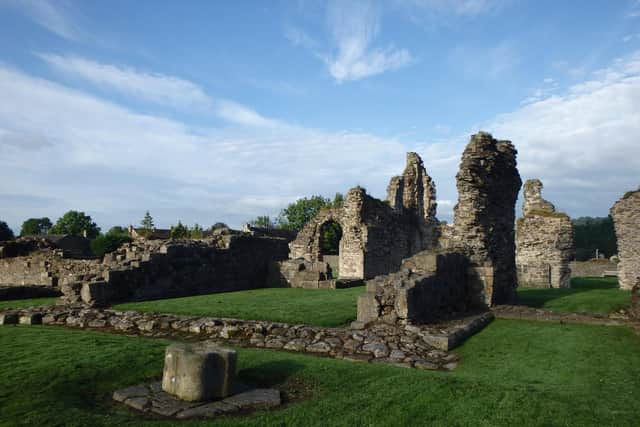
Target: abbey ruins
416,268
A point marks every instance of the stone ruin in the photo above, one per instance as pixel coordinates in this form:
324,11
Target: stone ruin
376,235
471,265
626,219
143,269
544,242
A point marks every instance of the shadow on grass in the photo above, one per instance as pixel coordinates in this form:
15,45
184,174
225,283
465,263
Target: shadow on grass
579,285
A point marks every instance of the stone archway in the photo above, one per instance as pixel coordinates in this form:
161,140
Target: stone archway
330,235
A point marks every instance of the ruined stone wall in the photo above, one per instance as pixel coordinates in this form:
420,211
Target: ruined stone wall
544,242
148,270
488,184
430,286
592,268
41,268
626,219
376,236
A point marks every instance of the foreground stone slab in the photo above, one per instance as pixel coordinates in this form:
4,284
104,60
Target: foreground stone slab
151,398
199,372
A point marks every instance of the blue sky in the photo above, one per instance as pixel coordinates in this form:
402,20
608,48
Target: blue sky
222,111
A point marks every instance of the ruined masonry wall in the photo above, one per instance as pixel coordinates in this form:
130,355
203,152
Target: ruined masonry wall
544,242
626,219
488,184
142,270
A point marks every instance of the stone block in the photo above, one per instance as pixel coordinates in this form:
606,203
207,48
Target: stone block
31,319
199,372
8,318
97,294
368,307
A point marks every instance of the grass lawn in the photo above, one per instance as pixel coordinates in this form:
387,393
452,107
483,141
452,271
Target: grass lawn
512,373
321,307
21,303
587,294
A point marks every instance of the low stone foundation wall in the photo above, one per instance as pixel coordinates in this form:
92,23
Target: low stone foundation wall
591,268
521,312
423,347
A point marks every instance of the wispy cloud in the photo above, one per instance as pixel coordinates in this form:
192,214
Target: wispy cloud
455,7
56,16
354,27
492,62
352,54
156,88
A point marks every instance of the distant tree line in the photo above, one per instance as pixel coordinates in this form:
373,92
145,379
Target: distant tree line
78,223
297,214
594,233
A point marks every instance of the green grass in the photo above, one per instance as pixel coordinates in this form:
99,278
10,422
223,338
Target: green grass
512,373
587,294
22,303
321,307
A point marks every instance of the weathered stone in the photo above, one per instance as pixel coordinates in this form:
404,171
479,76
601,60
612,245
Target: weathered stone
626,219
199,372
96,294
31,319
260,398
8,318
544,242
130,392
488,183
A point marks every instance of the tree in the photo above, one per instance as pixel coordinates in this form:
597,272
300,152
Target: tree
179,231
330,233
36,226
263,222
111,241
218,225
76,224
298,214
5,232
147,222
594,233
196,232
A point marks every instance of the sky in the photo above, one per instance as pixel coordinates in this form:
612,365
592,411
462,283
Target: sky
210,112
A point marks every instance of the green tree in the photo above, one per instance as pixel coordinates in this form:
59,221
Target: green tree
338,200
263,221
6,233
111,241
299,213
76,224
147,222
36,226
330,236
594,233
179,231
196,232
219,225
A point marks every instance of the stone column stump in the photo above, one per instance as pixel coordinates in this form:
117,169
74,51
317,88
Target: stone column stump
199,371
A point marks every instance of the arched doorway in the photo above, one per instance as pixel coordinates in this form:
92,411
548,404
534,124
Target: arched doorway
330,235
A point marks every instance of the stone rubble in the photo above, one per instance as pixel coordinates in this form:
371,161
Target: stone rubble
419,346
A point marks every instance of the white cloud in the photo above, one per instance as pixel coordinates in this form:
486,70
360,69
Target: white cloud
239,114
53,16
353,27
156,88
582,144
116,163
